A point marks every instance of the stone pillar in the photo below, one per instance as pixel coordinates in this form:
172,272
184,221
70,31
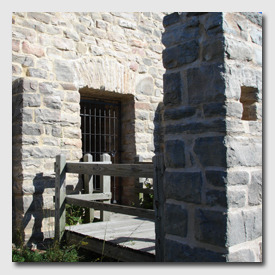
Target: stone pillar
213,137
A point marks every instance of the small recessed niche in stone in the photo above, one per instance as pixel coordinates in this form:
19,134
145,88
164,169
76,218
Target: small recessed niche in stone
249,98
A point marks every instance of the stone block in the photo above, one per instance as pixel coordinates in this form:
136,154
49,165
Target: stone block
174,154
38,73
255,189
56,131
32,49
72,133
211,151
241,256
39,16
243,152
27,115
181,54
197,127
206,84
63,44
32,129
236,197
24,33
25,61
70,33
47,87
252,220
145,86
69,120
214,109
178,252
15,45
211,226
179,113
175,220
172,87
238,50
213,50
47,116
171,19
213,23
31,100
52,102
257,55
64,71
44,64
16,69
183,186
216,198
216,178
256,36
236,232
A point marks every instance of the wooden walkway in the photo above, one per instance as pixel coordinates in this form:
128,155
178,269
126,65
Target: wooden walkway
124,237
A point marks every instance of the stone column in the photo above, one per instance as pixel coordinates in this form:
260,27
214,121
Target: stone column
213,137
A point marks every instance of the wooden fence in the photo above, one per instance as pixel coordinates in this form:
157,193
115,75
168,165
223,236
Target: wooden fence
105,169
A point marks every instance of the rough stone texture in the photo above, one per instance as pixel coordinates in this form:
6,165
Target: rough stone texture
57,55
177,252
212,106
176,220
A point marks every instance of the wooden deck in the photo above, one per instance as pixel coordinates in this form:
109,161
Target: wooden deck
124,237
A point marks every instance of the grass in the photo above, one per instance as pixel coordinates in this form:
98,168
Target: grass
55,253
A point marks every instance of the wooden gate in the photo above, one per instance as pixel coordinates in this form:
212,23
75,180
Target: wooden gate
104,168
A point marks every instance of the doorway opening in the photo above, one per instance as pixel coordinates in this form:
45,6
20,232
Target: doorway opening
101,133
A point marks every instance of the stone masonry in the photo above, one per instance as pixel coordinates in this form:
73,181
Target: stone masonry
190,86
213,137
56,58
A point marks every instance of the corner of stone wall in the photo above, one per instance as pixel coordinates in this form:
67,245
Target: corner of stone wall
210,152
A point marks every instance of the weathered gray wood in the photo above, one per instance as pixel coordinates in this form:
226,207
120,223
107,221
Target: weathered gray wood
88,188
138,184
60,195
106,248
128,210
117,170
94,196
159,205
105,187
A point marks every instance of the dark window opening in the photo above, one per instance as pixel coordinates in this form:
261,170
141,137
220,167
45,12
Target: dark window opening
249,98
101,133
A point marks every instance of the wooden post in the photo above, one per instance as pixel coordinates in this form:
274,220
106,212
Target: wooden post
88,189
60,196
105,187
138,184
159,169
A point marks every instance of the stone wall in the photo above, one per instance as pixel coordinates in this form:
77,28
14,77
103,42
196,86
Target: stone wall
213,137
56,58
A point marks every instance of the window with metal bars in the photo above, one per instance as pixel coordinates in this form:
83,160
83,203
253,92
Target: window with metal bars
101,129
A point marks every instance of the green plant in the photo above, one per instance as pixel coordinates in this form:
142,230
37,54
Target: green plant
74,214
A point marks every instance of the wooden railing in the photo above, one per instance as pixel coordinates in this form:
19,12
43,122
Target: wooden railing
90,200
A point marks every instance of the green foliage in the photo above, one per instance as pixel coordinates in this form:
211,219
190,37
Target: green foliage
74,214
54,253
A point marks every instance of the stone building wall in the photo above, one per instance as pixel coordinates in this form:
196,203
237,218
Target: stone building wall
213,137
58,57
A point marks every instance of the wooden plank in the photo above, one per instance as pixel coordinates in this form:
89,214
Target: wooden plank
105,186
117,170
96,196
159,205
88,188
60,196
144,191
106,248
128,210
138,185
